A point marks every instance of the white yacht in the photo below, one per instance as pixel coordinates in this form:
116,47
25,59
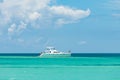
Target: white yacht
52,52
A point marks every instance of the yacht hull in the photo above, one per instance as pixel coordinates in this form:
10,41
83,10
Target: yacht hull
54,55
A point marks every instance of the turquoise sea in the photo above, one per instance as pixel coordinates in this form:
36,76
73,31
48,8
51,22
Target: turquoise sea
72,68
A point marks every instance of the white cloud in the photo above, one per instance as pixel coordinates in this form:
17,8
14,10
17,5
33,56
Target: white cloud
34,16
61,21
68,15
22,10
16,28
22,14
21,27
12,29
69,12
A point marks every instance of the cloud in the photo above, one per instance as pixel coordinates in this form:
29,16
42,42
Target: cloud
16,28
21,26
12,29
69,13
18,15
34,16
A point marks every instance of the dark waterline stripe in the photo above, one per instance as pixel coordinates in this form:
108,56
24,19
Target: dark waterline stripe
73,54
95,55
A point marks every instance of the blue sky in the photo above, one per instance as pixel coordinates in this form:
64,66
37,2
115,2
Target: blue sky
77,25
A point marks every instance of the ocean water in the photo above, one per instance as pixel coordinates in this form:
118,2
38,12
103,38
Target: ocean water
72,68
